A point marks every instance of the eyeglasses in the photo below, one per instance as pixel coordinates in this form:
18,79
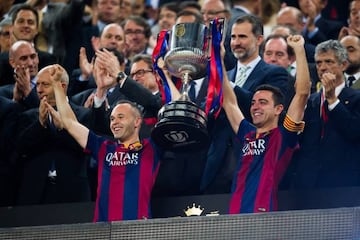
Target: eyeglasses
5,34
137,31
140,73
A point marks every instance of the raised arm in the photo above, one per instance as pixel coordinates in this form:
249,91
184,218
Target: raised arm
175,93
230,105
302,83
78,131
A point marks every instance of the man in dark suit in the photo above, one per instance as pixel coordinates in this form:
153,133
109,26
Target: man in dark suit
24,59
317,28
112,37
352,72
59,24
107,12
53,166
239,8
330,144
246,37
25,27
289,21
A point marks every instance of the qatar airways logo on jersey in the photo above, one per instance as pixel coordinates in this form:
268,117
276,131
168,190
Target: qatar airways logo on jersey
122,158
254,148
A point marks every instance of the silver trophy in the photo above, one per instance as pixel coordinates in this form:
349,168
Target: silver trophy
182,123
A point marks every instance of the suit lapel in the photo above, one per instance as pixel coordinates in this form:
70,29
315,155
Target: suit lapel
231,74
253,79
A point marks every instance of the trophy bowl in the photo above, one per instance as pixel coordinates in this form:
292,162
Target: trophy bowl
183,60
181,123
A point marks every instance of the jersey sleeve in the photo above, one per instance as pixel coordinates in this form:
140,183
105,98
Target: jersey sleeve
93,144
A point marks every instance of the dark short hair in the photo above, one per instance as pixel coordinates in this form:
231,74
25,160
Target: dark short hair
198,17
138,108
143,57
256,23
171,6
24,7
192,4
289,50
138,21
277,94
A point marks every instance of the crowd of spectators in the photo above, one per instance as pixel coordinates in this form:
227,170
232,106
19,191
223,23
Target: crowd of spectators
105,49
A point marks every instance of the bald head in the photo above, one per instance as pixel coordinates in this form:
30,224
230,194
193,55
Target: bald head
51,68
22,54
17,45
292,17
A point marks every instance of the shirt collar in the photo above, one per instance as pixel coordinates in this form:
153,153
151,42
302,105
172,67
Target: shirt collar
251,65
356,75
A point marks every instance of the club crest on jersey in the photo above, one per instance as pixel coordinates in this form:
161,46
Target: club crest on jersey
122,158
254,148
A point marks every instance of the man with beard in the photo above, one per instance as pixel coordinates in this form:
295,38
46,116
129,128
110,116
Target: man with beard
352,72
250,72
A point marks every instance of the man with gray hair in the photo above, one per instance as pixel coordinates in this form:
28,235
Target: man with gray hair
330,144
53,167
5,32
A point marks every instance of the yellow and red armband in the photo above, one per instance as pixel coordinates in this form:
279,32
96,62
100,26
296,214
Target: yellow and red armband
292,126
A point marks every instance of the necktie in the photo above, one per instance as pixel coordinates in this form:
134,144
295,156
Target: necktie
192,91
241,76
351,79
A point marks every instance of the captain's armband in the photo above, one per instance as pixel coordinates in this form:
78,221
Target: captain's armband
293,126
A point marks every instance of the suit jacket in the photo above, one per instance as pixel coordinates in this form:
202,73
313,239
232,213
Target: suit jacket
7,72
224,148
328,29
41,148
9,113
31,101
76,86
330,159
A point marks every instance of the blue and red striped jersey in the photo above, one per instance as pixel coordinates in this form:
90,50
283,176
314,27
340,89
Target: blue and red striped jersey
125,178
263,161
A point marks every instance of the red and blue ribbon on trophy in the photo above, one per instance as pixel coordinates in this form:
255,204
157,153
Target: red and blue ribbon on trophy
214,69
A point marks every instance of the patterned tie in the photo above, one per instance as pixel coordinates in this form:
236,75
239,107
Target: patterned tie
351,79
192,91
241,76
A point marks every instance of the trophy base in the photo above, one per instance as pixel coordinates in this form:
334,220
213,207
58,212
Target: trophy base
181,125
